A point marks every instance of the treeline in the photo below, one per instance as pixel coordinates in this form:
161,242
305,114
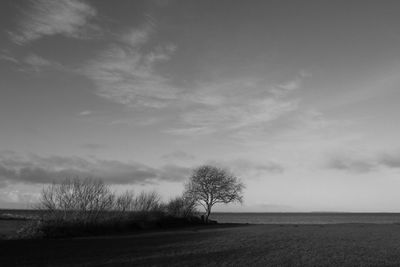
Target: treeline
89,206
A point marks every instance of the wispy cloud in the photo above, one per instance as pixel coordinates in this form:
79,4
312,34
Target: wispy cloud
38,63
85,112
190,131
391,160
48,17
231,106
93,146
246,167
364,163
6,56
16,196
236,116
36,169
125,73
352,164
145,121
178,155
32,62
174,173
137,37
290,85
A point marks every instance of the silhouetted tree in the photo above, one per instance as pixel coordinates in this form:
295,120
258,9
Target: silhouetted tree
210,185
183,206
76,199
147,201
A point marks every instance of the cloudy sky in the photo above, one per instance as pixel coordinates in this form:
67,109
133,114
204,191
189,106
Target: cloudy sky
298,98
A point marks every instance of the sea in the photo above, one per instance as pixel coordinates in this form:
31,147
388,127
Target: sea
306,218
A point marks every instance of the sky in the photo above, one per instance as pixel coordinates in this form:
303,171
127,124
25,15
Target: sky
300,99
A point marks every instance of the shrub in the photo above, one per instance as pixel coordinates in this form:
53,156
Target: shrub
147,202
125,202
77,200
33,229
77,207
68,228
183,206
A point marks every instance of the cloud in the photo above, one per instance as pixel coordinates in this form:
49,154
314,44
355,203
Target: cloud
125,73
6,56
15,196
245,167
351,164
238,116
144,121
85,112
178,155
367,163
48,17
174,173
32,62
271,167
291,85
232,106
38,63
36,169
93,146
391,160
190,131
137,37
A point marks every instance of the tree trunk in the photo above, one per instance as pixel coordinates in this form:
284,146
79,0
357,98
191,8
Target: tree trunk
208,213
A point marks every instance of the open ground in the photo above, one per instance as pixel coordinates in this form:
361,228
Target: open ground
218,245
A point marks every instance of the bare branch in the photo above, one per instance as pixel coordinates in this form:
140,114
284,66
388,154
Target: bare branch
209,185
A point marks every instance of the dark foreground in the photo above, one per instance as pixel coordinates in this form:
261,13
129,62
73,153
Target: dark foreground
223,245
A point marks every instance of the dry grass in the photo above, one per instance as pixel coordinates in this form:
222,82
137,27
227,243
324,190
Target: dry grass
10,227
255,245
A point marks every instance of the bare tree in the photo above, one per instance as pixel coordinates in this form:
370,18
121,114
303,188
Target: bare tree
147,201
124,202
210,185
182,206
76,199
144,202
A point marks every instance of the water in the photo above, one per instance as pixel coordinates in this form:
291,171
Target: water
306,218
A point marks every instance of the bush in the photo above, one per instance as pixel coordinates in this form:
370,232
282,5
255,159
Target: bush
76,200
183,207
125,202
146,206
32,229
66,228
147,202
88,207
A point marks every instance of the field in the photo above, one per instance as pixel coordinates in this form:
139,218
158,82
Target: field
10,227
219,245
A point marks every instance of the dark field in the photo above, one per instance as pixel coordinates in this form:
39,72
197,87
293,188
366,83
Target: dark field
10,227
219,245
